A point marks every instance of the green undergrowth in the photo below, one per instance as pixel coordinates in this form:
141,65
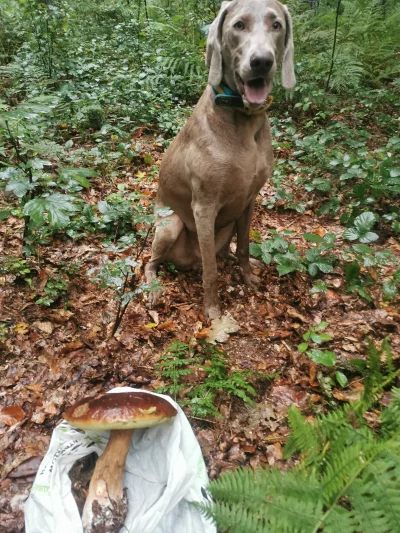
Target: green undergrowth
91,92
199,378
359,262
347,476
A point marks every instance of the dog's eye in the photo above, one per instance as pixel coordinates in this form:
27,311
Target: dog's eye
277,25
239,25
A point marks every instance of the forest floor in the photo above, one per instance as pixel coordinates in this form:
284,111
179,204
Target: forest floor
55,355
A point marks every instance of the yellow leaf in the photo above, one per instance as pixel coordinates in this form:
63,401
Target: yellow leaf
151,325
22,328
148,159
140,174
255,235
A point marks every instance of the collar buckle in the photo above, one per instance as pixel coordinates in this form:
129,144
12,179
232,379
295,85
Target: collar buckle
228,100
225,97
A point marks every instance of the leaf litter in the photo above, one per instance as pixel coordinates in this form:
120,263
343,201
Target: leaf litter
52,356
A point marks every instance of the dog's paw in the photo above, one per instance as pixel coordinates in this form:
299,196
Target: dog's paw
252,281
255,263
228,257
212,311
154,297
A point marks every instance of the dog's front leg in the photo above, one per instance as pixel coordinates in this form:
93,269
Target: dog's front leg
243,242
204,216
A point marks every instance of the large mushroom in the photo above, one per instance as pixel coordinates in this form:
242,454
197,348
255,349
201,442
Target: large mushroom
106,504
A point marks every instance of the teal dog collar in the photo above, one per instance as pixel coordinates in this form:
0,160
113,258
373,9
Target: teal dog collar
224,96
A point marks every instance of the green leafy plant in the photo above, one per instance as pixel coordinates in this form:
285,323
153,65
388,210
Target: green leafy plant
361,229
55,288
367,257
120,277
3,331
348,475
285,255
319,287
122,211
390,288
174,365
315,335
46,203
57,285
20,268
92,117
316,258
355,282
179,365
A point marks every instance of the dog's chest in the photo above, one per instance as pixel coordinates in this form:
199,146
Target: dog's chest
247,168
244,174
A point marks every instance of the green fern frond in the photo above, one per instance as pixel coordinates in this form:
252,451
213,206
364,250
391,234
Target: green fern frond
46,148
375,497
347,481
344,466
276,503
334,423
303,438
340,520
381,371
178,362
391,416
387,350
235,519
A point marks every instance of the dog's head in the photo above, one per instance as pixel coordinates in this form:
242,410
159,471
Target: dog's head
245,43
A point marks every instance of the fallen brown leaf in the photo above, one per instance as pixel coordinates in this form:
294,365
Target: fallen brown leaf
221,328
71,346
46,327
294,314
28,467
168,325
347,396
11,415
320,231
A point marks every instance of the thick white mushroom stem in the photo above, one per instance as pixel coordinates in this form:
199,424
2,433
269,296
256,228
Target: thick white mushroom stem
106,504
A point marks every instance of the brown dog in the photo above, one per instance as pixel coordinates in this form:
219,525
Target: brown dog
212,172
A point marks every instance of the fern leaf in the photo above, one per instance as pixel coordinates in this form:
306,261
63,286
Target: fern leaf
304,438
346,464
235,519
384,476
340,520
335,423
291,502
391,416
375,496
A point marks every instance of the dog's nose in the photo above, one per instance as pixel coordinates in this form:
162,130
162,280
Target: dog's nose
262,63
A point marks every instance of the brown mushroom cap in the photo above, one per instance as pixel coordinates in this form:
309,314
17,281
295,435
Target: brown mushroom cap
123,410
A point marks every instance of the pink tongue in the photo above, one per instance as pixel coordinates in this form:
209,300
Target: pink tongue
255,95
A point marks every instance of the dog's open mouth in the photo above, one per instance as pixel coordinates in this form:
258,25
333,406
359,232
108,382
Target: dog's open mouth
255,91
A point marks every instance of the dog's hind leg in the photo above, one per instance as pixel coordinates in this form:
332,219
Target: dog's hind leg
223,243
242,252
168,230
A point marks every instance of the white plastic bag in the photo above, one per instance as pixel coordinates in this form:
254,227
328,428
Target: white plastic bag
164,471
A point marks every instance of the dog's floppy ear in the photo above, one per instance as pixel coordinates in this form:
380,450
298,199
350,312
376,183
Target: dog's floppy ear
214,47
288,76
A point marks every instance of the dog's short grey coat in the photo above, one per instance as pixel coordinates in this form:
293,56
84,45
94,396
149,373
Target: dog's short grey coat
212,172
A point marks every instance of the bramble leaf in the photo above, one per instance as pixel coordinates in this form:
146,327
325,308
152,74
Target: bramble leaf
341,378
56,209
389,290
322,357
